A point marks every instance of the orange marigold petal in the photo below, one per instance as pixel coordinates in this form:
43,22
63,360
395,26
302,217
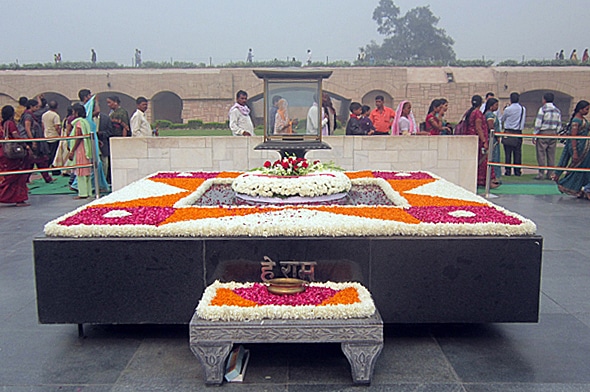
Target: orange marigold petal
225,296
192,213
406,185
227,174
360,174
426,201
190,184
372,212
345,296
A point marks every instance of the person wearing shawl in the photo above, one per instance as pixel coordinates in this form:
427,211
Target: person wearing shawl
81,151
404,122
240,122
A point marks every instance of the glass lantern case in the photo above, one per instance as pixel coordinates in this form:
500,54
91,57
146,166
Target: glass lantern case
292,110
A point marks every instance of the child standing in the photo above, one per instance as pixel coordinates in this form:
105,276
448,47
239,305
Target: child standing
365,122
353,127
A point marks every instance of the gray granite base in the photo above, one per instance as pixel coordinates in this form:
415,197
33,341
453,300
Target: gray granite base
411,279
361,340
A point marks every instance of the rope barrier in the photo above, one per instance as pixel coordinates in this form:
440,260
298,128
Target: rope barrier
511,165
93,165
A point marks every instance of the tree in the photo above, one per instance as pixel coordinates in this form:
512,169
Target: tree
413,36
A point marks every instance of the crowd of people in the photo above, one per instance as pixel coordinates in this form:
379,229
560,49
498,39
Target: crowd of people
480,119
38,118
573,56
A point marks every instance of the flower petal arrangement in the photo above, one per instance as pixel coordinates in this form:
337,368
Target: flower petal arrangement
311,185
203,204
251,301
292,177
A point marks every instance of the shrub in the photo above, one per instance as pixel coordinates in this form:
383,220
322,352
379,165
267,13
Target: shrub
177,126
162,124
195,124
215,125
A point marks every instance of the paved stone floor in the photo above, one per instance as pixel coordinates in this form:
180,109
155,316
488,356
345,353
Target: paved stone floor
553,355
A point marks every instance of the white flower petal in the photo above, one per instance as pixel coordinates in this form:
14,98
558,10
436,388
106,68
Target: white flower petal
117,214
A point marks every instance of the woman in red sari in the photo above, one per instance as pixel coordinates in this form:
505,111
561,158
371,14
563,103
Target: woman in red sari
13,188
477,125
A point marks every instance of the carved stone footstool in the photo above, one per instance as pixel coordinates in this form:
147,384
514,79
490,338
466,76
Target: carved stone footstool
361,340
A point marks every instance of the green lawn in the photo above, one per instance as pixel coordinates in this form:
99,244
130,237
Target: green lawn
529,157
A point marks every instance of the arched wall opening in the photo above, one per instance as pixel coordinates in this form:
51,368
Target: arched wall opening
63,102
167,105
369,98
8,100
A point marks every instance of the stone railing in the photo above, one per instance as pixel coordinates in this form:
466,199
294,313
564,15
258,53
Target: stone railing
452,157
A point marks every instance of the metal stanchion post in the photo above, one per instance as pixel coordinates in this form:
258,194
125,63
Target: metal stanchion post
95,157
488,167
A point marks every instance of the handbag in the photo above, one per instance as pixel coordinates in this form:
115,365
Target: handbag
461,128
13,150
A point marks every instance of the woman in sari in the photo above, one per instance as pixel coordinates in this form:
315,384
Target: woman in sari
576,154
478,126
283,124
33,130
13,188
404,122
63,149
119,117
433,122
446,128
81,151
494,123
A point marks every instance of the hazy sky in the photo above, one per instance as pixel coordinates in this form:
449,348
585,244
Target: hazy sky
223,30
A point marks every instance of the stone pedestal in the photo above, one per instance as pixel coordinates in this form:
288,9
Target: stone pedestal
361,340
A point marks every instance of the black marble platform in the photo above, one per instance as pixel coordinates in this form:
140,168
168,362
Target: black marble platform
412,279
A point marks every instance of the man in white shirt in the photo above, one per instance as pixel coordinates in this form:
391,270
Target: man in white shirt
140,126
52,127
547,122
240,122
513,119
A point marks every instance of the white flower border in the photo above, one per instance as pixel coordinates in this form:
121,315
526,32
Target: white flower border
288,221
315,184
362,309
